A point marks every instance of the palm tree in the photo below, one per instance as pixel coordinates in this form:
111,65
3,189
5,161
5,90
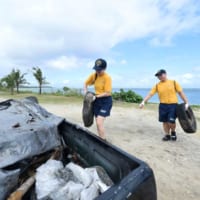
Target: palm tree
9,81
19,79
37,73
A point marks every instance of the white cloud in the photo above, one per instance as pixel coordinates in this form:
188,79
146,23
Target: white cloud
197,69
65,82
39,28
191,79
188,76
117,77
64,62
90,64
63,35
123,62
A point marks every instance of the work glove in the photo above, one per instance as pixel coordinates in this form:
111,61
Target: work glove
142,104
186,106
94,97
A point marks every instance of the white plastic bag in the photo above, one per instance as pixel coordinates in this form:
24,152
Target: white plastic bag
96,179
46,180
72,182
80,174
89,193
71,191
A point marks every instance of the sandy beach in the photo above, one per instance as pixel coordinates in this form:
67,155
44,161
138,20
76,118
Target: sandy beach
176,164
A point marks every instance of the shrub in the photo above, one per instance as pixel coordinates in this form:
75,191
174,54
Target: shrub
129,96
71,92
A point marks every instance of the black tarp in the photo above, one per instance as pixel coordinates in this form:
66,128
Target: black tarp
26,130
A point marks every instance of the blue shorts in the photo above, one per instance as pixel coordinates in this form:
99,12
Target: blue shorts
102,106
167,113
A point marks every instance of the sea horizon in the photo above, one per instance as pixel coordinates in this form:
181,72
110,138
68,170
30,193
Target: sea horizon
192,94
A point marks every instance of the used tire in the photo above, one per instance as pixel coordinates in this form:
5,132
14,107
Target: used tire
186,118
87,111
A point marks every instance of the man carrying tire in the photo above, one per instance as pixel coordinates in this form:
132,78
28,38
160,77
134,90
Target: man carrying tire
167,91
103,88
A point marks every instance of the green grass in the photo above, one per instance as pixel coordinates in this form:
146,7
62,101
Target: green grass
60,99
44,98
195,107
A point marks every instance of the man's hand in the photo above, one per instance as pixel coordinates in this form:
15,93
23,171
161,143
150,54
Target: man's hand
142,105
186,106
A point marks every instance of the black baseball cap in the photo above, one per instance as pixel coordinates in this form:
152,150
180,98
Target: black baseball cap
100,64
160,72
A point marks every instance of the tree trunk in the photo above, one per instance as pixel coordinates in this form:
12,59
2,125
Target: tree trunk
17,86
40,89
12,90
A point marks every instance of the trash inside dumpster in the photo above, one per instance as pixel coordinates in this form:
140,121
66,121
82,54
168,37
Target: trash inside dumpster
26,130
44,156
56,181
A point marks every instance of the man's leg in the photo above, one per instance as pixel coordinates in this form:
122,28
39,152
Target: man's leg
173,131
100,126
166,127
172,127
163,117
172,121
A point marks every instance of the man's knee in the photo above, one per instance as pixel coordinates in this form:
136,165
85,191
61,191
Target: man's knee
172,125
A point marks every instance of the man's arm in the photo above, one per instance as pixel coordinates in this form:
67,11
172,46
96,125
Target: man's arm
151,93
88,82
145,100
85,88
184,98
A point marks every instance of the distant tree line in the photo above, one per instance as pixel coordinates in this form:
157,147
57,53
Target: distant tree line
16,78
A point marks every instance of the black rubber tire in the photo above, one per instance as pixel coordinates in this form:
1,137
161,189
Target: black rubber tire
87,111
186,118
33,99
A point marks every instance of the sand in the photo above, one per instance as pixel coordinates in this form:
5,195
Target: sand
176,165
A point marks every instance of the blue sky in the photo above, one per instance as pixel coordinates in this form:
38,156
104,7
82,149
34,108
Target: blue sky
65,37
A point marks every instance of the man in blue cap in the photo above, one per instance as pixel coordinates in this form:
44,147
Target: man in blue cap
103,88
167,91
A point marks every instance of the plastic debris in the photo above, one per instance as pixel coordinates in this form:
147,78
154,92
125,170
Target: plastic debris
72,182
80,174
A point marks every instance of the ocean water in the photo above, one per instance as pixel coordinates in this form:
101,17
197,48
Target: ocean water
193,95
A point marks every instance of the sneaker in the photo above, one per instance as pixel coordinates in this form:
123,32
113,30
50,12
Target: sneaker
173,136
166,138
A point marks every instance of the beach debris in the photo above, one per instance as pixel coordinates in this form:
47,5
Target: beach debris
8,180
21,191
20,141
97,180
103,175
89,193
26,185
80,174
70,190
54,181
25,141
